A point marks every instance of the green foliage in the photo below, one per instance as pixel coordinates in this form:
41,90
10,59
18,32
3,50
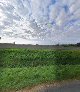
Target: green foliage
31,58
17,78
70,57
24,67
26,58
25,77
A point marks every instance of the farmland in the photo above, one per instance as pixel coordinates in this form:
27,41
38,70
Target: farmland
22,67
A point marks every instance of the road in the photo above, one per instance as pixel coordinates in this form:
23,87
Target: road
70,87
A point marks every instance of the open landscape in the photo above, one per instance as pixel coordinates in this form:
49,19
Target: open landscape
25,68
39,45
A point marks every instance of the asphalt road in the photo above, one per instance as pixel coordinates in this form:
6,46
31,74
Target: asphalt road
70,87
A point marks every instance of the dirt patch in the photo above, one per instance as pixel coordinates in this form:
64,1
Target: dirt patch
48,85
45,86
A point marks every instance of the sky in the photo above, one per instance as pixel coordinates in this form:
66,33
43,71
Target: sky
40,21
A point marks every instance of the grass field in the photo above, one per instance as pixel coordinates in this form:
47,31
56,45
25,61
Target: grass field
21,68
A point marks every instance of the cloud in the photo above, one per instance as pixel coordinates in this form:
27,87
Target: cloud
41,20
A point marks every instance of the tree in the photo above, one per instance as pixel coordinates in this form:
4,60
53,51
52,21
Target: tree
78,44
13,42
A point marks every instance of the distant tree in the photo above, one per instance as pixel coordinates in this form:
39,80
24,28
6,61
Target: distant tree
36,44
13,42
78,44
57,44
0,37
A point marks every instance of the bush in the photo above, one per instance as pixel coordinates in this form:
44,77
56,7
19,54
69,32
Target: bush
32,58
25,57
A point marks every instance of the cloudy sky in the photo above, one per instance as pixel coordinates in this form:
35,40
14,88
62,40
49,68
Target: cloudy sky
40,21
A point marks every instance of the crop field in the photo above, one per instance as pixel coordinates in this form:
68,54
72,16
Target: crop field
21,68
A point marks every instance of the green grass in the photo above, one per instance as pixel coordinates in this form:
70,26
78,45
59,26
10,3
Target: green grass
17,78
21,68
22,77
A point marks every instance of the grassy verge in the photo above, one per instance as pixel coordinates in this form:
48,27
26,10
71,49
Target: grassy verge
17,78
21,77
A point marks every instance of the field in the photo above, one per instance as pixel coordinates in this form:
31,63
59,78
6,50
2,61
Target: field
21,68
